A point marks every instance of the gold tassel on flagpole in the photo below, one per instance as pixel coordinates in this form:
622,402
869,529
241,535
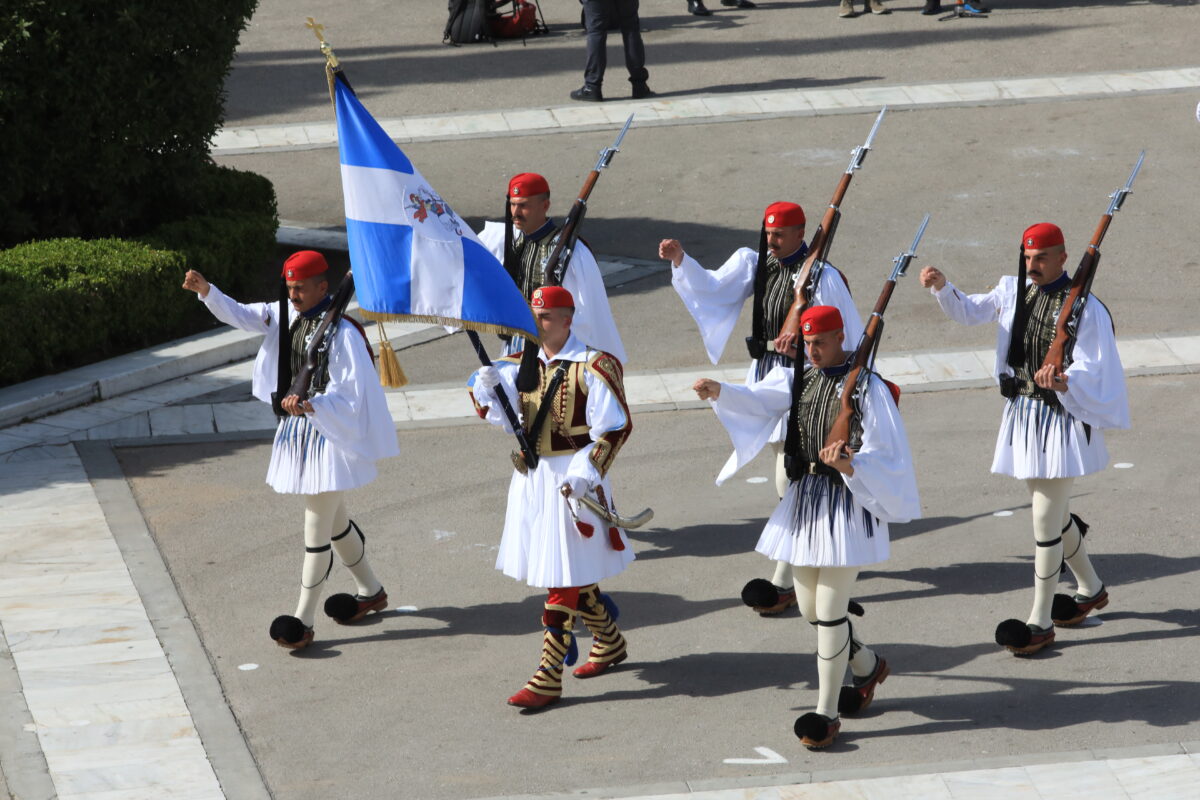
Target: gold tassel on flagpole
390,374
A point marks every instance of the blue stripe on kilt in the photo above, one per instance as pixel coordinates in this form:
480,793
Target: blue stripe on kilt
361,140
380,255
489,294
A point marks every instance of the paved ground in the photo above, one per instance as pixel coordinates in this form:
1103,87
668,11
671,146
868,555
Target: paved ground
128,627
707,680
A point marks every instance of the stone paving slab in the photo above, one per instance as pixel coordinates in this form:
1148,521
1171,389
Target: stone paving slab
717,108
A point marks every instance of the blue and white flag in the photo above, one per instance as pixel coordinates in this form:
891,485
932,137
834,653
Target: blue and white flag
413,258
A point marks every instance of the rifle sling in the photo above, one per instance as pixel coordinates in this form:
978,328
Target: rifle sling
544,408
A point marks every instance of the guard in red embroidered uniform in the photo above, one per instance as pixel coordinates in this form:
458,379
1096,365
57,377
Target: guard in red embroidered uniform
575,422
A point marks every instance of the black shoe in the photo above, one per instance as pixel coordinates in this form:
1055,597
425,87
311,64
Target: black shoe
738,4
641,91
587,94
697,7
932,7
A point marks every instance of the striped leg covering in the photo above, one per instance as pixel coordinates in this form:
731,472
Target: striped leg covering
558,648
600,613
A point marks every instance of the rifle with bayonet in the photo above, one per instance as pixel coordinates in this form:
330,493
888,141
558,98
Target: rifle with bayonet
868,344
1067,326
822,238
321,341
554,269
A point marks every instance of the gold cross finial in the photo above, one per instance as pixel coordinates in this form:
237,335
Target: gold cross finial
319,31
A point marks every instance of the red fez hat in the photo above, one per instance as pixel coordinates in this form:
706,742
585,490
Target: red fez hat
552,297
304,264
527,184
820,319
783,215
1041,236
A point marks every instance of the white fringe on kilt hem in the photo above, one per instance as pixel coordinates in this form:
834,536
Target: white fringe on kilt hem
304,462
818,523
1041,441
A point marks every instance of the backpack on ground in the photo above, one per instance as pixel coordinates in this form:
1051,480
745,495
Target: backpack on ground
520,21
468,22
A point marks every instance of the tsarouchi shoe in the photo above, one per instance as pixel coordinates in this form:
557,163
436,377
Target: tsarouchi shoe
1021,638
290,632
816,731
855,698
1067,611
346,608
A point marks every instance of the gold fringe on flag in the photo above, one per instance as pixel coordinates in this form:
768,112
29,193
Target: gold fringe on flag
390,373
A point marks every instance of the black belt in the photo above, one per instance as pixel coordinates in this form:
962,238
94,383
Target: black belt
1011,387
758,348
797,469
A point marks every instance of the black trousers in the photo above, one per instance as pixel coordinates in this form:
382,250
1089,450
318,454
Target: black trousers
598,16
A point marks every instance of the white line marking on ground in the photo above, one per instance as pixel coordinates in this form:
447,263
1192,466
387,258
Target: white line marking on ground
769,756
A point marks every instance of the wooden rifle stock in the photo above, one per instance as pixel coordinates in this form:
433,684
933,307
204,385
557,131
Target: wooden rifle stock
555,268
822,238
1081,282
864,355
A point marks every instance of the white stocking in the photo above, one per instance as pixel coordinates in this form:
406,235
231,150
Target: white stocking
830,588
783,570
1088,583
320,510
1050,501
352,551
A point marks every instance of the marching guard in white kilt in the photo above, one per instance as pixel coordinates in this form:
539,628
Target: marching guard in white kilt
524,241
325,445
768,277
833,518
576,421
1051,427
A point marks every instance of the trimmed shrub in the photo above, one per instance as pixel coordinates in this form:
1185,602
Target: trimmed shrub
106,111
77,301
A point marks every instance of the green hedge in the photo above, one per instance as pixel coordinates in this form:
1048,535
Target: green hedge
106,111
77,301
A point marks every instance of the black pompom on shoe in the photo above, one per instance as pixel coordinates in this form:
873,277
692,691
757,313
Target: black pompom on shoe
816,731
849,700
291,633
760,593
341,607
1022,639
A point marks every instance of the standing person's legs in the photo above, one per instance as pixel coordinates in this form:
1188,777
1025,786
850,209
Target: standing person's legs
631,37
596,18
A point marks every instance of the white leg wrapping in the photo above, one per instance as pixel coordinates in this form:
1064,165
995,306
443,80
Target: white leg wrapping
1051,501
352,551
320,511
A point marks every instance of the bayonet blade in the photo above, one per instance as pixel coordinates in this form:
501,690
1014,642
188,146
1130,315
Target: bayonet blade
1118,197
607,153
874,128
920,232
